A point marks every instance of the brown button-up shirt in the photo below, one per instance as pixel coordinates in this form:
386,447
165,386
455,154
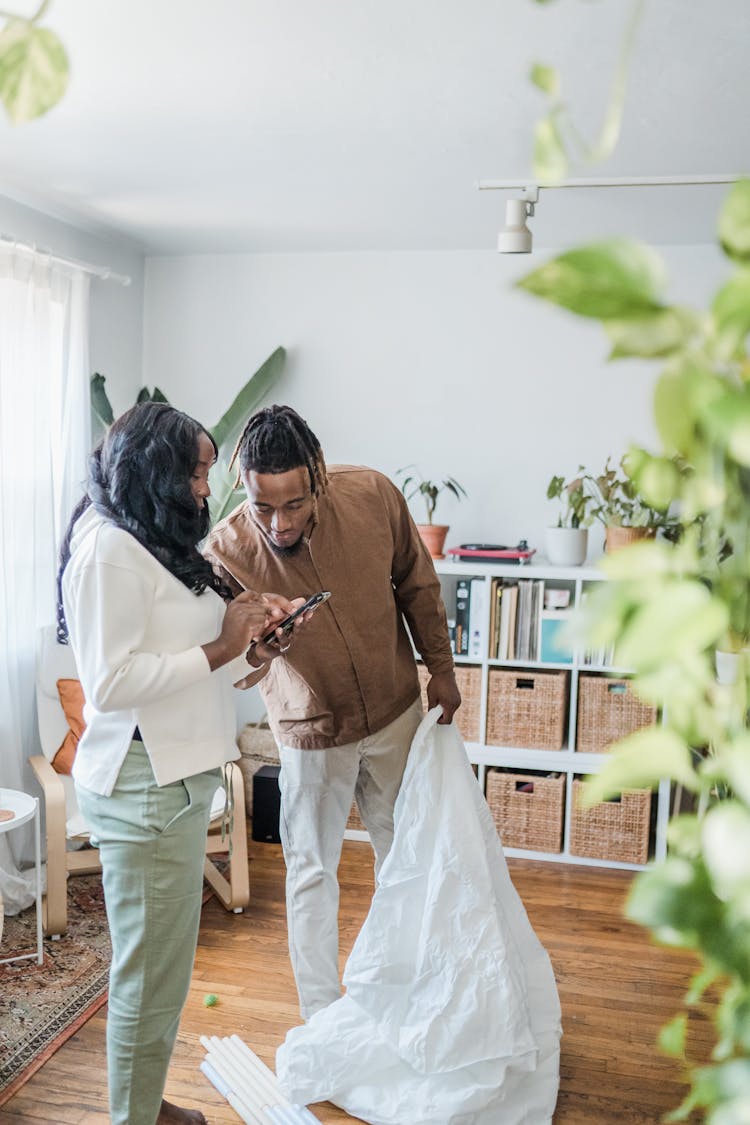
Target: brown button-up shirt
351,671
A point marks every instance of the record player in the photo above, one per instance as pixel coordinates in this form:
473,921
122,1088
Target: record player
492,552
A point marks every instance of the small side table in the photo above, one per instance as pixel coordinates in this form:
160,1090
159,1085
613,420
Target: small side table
25,808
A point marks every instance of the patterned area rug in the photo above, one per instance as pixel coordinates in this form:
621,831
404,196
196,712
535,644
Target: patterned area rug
43,1005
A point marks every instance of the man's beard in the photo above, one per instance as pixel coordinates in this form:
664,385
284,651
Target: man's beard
286,552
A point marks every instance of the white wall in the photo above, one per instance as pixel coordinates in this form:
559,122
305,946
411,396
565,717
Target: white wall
116,311
430,358
421,357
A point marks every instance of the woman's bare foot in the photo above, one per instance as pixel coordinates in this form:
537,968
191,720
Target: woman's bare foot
172,1115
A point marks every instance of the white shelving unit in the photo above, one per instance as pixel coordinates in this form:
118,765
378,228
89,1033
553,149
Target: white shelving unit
566,761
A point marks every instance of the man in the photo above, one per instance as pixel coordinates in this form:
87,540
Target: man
344,702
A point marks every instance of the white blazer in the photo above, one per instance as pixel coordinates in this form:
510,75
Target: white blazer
136,632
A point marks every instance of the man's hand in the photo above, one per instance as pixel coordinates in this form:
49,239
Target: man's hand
442,691
277,608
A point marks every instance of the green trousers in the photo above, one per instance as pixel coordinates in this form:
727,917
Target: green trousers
152,843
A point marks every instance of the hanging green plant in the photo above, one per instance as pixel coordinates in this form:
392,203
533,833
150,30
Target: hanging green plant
34,68
670,605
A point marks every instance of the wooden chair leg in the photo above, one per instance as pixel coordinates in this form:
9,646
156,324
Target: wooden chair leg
234,891
55,901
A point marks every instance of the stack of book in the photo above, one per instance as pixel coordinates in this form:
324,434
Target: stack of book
520,629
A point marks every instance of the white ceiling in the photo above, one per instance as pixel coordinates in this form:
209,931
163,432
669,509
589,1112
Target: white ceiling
300,125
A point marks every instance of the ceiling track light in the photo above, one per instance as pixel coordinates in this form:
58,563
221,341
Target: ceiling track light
516,238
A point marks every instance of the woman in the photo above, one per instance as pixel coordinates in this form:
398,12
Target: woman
157,652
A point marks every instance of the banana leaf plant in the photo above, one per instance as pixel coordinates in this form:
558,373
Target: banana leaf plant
225,493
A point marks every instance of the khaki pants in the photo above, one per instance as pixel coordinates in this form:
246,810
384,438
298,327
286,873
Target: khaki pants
152,842
317,788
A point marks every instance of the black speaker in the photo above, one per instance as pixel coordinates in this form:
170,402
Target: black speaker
266,805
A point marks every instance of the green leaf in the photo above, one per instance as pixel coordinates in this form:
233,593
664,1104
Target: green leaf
546,79
726,848
671,1040
724,1083
33,70
605,280
657,333
550,157
675,899
645,560
735,763
230,425
684,836
100,403
731,313
684,394
734,223
734,1112
224,496
700,982
640,761
728,419
681,618
658,482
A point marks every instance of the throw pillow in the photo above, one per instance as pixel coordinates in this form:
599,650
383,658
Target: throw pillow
72,700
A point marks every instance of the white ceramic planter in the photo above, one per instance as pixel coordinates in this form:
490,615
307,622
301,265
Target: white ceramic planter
566,546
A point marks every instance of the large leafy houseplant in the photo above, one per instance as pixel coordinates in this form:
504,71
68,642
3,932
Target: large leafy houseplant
668,606
224,494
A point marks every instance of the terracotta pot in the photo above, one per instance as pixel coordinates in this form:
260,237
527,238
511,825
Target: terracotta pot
433,537
616,537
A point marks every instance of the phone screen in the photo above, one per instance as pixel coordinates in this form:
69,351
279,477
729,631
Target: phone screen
287,622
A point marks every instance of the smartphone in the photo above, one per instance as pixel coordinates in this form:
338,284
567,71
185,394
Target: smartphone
287,623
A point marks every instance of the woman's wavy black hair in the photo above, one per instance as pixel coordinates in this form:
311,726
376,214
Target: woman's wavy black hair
139,479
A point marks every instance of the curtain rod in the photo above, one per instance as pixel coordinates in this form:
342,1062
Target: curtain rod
103,272
616,181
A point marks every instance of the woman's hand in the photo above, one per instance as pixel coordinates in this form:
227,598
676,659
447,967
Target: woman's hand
246,617
278,608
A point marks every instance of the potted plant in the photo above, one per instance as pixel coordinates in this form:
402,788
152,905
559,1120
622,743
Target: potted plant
621,508
225,494
670,605
567,542
433,534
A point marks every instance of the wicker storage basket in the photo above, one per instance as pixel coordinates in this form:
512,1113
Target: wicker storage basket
258,748
607,711
469,680
614,830
526,708
527,809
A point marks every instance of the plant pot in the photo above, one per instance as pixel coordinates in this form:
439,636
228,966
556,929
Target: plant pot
616,537
566,546
433,536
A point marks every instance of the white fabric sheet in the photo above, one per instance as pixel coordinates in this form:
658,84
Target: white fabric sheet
451,1014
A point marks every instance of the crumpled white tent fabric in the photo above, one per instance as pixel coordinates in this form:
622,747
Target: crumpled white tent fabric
451,1014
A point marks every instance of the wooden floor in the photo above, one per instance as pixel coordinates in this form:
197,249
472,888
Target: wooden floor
616,991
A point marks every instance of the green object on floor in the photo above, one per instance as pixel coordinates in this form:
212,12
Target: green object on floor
210,1000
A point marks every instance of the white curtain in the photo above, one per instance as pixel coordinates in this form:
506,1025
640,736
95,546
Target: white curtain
44,443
